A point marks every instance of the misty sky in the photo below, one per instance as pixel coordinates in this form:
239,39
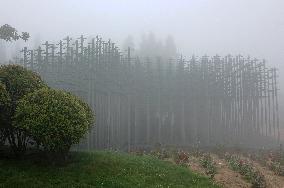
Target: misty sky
254,27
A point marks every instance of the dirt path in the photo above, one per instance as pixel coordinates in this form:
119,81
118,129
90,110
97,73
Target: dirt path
228,178
225,177
272,180
195,166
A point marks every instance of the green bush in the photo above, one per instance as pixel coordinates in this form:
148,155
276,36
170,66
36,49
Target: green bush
90,114
4,97
5,102
18,82
54,119
207,162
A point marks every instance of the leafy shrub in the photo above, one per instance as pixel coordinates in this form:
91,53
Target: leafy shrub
196,151
182,157
246,169
4,97
5,102
277,168
273,159
207,162
90,114
160,153
54,119
18,82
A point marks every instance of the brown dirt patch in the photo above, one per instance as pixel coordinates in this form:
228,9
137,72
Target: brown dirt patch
195,166
225,177
228,178
272,180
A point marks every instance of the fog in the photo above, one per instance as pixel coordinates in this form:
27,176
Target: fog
254,27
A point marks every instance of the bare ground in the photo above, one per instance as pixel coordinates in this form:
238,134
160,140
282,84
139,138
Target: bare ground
272,180
228,178
225,177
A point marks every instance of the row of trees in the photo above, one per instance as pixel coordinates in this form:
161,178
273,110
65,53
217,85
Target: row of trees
144,101
151,47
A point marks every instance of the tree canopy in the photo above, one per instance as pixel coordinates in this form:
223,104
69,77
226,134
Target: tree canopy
9,33
55,119
16,82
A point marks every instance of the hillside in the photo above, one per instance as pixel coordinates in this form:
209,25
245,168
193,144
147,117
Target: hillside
100,169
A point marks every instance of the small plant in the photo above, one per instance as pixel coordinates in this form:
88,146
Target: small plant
277,168
271,159
182,157
260,158
245,168
160,153
139,152
207,162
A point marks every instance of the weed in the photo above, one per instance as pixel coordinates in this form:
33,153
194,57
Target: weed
207,162
245,168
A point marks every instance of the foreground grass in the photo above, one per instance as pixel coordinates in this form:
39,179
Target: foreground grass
100,169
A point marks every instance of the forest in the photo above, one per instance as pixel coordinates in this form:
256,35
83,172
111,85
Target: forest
78,109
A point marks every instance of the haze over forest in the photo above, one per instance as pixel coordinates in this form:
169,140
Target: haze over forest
199,27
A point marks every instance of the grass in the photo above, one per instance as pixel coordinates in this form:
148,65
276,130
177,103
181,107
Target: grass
100,169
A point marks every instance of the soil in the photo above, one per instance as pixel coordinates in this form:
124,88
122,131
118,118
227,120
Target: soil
272,180
195,166
225,177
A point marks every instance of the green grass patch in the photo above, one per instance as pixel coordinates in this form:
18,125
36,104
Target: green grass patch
100,169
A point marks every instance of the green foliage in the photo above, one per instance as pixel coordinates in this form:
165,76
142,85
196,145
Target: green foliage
90,114
273,159
4,97
246,169
5,102
9,33
160,153
54,119
207,162
277,168
182,158
102,170
17,82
